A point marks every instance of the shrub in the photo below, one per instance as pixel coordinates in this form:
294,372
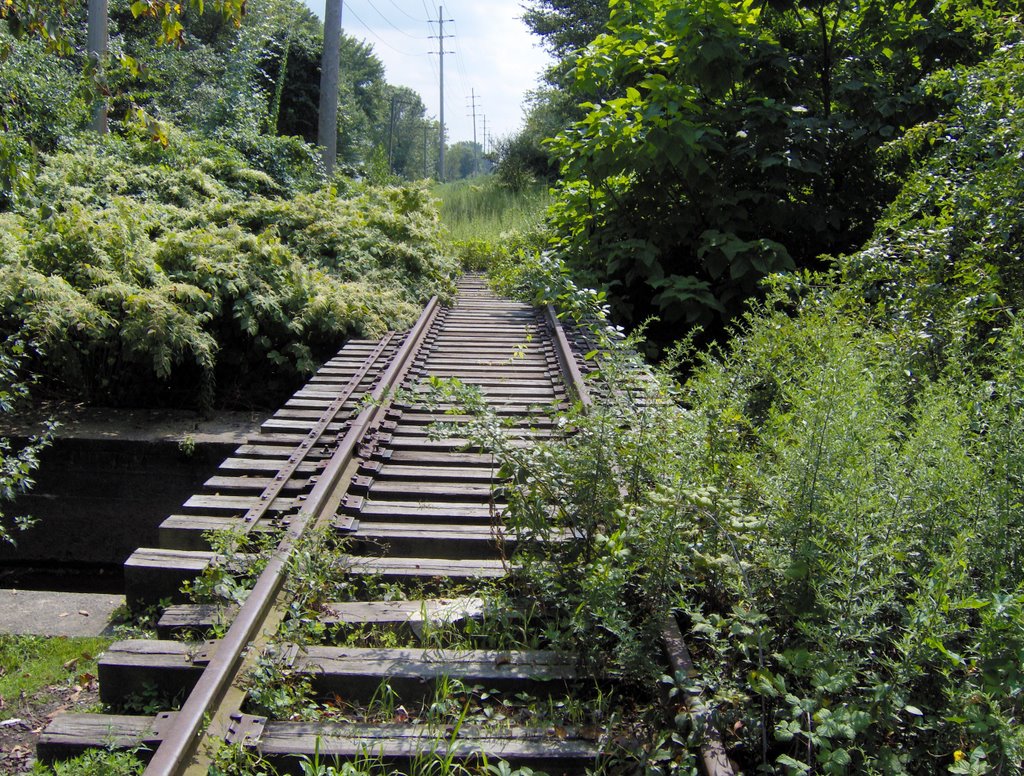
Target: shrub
177,275
839,533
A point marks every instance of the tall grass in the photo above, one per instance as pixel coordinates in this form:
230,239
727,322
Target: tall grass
483,209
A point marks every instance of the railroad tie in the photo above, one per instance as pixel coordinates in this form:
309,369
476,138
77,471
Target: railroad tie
411,507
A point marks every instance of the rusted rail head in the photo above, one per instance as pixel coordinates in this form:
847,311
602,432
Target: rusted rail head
181,740
716,759
713,753
566,359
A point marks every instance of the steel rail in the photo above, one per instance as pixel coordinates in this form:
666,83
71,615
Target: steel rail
713,752
276,486
566,359
181,740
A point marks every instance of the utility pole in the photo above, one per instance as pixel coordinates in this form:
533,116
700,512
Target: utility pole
327,130
485,132
396,107
476,148
97,45
426,126
390,138
440,50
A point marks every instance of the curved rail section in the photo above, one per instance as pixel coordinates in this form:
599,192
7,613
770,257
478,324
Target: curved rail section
375,471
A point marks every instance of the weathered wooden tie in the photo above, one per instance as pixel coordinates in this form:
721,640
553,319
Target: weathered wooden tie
417,507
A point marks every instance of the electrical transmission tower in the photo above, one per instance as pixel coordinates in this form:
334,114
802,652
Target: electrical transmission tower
441,52
476,148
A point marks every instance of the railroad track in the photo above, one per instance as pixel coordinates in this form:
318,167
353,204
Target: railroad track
409,520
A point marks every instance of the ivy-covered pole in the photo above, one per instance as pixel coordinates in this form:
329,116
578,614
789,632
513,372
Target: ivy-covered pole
327,131
97,45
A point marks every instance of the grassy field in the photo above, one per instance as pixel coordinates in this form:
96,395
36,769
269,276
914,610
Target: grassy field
31,664
39,678
481,209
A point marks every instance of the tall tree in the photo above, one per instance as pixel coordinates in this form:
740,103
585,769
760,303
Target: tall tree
724,140
566,26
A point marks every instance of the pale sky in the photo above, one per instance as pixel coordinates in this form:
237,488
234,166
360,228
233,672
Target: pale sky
491,53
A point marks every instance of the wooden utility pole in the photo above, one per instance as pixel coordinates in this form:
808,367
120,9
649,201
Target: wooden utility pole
440,50
330,64
391,137
476,148
97,46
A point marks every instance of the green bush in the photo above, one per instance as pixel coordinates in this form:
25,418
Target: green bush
178,275
833,500
945,260
840,536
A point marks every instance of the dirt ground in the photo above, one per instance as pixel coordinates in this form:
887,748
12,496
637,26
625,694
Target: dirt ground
25,719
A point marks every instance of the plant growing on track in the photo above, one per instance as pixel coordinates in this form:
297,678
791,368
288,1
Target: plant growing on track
276,691
97,762
239,558
836,526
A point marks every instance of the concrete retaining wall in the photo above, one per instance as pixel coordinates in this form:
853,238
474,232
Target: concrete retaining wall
96,501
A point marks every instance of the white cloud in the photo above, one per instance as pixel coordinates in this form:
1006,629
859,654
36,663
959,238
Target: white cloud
493,54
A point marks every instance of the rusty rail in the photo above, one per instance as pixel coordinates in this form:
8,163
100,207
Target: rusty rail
376,474
183,736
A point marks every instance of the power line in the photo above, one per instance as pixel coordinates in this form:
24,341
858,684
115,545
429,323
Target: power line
460,65
375,35
402,10
426,10
392,24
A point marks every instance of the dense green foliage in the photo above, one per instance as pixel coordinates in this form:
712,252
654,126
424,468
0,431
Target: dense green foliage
181,274
832,501
724,141
252,83
945,260
198,255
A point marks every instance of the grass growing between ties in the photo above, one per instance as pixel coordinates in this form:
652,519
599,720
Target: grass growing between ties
97,762
240,558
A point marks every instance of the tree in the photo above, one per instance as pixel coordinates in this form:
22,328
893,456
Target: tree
525,155
724,141
460,159
402,135
566,25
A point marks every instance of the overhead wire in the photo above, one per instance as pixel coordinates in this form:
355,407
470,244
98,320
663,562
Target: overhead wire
403,11
369,30
392,24
460,65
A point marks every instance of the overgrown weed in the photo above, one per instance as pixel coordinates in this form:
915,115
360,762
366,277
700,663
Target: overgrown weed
838,532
